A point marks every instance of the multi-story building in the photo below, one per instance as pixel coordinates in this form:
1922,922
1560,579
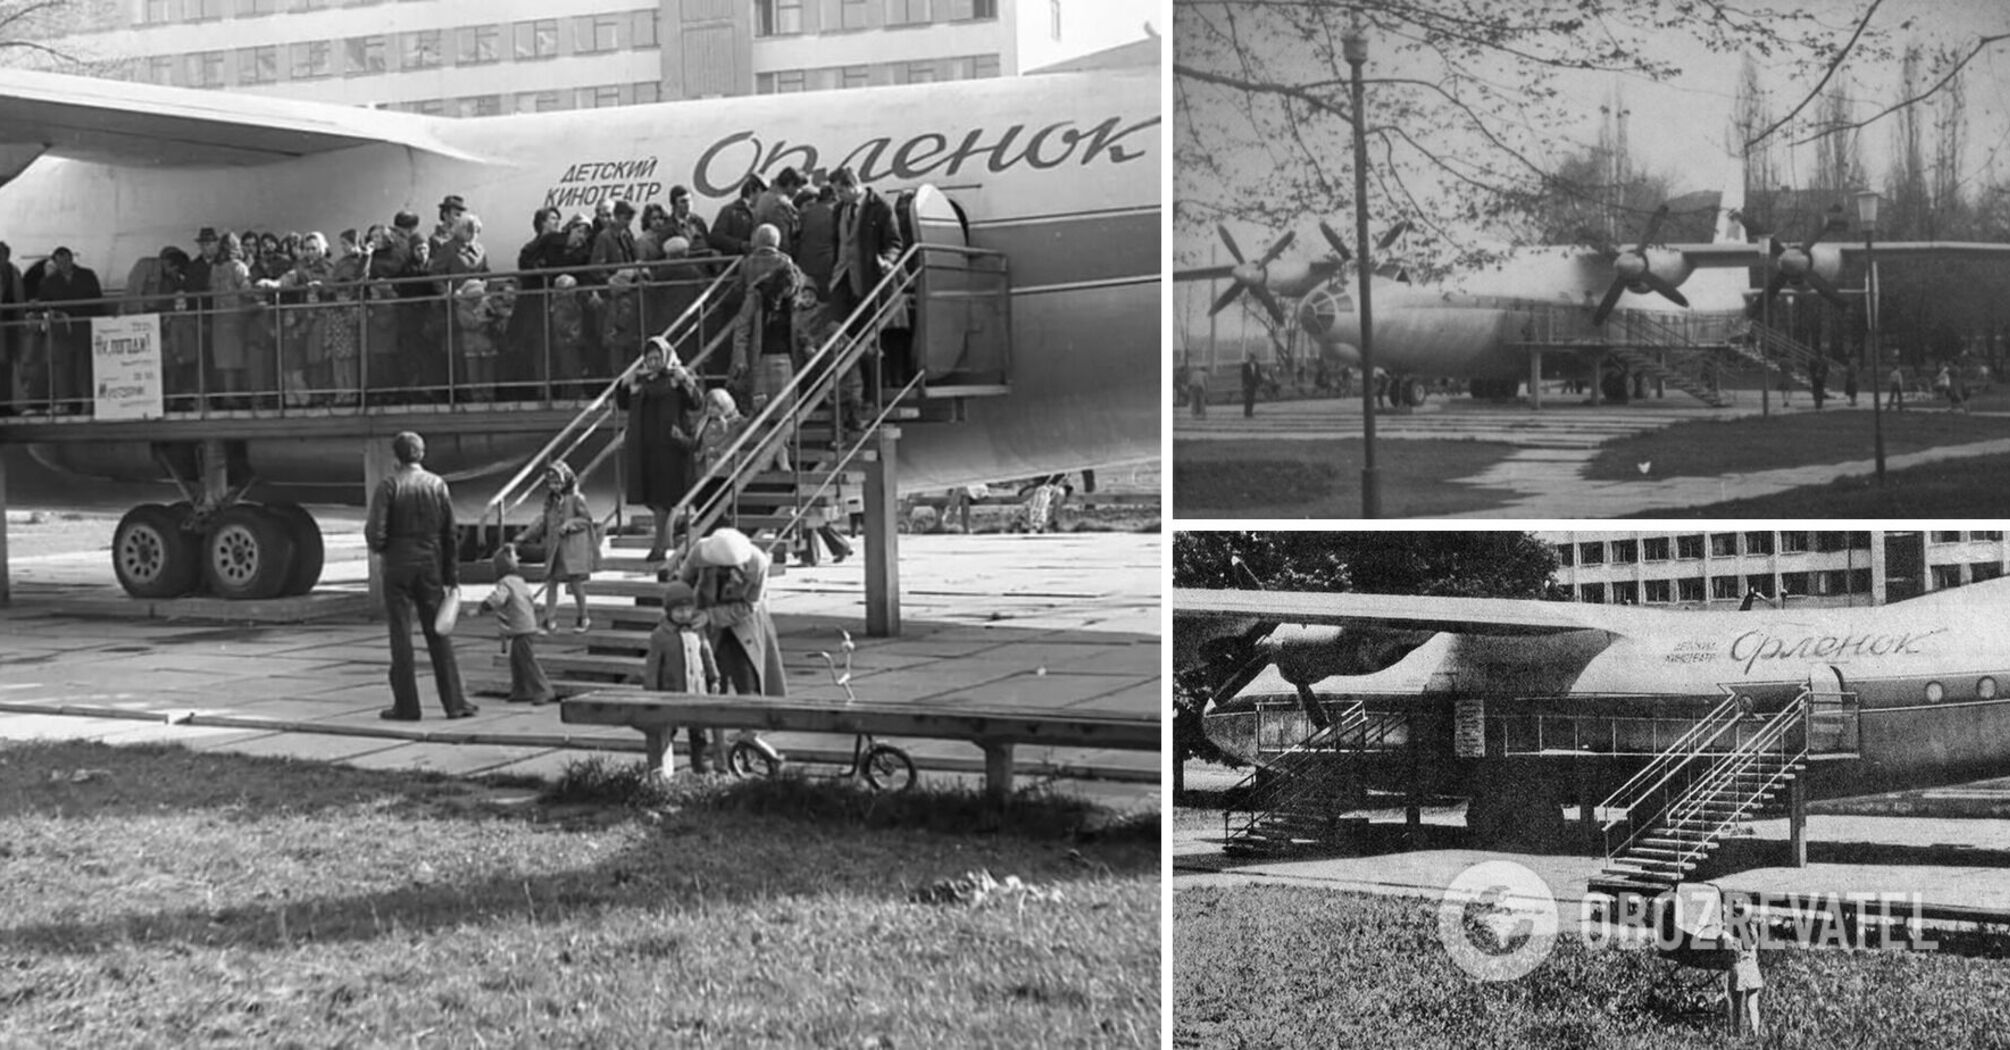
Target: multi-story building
487,57
1717,569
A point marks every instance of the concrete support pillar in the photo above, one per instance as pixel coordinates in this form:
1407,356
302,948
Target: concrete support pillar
6,582
1413,803
1797,821
882,539
378,463
1535,380
1597,379
998,773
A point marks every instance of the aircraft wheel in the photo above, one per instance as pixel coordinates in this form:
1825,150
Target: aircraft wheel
153,556
1413,390
309,554
249,554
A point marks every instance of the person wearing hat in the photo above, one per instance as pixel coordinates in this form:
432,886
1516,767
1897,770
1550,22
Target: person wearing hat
658,450
70,295
452,207
516,622
681,660
157,285
410,526
729,575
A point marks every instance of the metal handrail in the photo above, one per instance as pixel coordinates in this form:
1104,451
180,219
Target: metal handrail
589,418
1684,750
1710,786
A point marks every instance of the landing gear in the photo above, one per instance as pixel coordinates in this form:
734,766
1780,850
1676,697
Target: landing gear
154,555
1411,391
249,554
309,554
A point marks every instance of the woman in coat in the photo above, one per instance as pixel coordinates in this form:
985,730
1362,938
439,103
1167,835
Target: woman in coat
232,295
565,528
527,356
659,399
730,577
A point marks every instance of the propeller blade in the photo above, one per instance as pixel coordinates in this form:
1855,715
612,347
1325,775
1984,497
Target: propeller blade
1233,249
1226,298
1758,304
1606,304
1278,248
1821,284
1339,246
1653,227
1270,301
1389,238
1666,290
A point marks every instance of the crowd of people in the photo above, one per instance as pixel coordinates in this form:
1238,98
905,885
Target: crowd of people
254,319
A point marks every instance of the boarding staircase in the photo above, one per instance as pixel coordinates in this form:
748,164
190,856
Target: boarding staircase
1667,818
778,479
1778,353
1296,799
1670,353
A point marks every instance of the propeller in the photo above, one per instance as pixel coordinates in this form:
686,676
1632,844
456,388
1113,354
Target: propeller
1631,270
1387,269
1797,265
1251,277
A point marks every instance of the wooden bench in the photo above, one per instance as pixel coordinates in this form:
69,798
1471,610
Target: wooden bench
995,729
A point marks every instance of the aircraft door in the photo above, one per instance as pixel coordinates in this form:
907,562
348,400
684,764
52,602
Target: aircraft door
1832,713
962,308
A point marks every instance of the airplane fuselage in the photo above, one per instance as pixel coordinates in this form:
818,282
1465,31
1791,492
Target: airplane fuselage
1058,172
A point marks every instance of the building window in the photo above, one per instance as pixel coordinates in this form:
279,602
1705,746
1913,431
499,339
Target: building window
1626,592
205,69
1654,548
1946,576
420,50
853,14
1794,583
365,55
1591,592
1689,548
855,77
1566,554
1830,542
310,5
158,11
251,8
161,69
313,58
535,40
600,97
1758,543
258,65
1763,583
918,73
1625,552
646,92
479,106
203,10
1984,570
1592,553
1689,588
1947,537
781,17
969,10
596,34
906,12
1794,542
1993,535
1658,591
477,45
1723,544
432,107
646,32
782,82
1054,16
1725,589
1859,541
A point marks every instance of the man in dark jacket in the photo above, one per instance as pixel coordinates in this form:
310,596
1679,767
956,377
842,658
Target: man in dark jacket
12,295
1252,378
817,244
69,292
733,231
411,528
868,246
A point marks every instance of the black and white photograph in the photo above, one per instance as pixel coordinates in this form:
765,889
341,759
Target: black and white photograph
1550,260
582,524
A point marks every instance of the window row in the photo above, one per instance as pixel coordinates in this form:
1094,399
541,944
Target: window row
163,12
598,97
788,81
407,52
793,17
1719,545
1957,537
1728,588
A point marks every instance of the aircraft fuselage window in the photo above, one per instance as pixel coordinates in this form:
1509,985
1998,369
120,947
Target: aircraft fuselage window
1986,688
1935,692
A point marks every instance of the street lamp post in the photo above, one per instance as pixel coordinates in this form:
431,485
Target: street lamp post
1354,46
1866,216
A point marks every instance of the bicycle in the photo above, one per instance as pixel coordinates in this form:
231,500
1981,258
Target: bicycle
882,766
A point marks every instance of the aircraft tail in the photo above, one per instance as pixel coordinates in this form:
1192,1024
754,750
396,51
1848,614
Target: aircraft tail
1729,229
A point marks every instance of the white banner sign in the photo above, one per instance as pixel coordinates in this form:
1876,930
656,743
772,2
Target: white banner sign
126,366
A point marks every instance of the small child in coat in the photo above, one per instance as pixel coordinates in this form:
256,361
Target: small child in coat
516,621
680,659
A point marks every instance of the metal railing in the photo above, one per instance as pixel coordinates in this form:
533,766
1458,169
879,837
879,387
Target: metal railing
1691,747
1311,768
367,343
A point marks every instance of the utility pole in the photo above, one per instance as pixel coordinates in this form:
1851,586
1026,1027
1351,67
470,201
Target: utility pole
1354,46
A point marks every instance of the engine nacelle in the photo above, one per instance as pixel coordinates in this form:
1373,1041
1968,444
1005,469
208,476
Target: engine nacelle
1670,266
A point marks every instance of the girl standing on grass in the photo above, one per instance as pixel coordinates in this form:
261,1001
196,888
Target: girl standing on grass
566,530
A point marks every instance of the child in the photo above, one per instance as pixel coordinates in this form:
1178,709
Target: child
680,659
566,530
516,620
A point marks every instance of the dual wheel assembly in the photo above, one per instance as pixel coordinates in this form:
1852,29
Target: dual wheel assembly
245,551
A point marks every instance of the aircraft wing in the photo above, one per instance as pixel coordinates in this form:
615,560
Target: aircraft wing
1720,256
115,121
1493,616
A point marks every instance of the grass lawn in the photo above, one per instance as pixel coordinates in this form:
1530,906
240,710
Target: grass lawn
1710,448
1322,479
1958,488
159,897
1272,966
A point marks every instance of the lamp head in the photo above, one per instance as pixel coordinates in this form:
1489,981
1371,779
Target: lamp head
1866,209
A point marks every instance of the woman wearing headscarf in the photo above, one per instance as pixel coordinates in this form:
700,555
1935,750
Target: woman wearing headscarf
659,399
730,575
565,528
